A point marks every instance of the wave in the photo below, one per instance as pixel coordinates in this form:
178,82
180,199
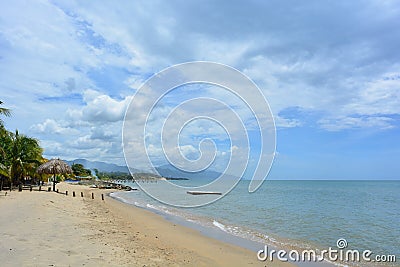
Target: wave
201,220
215,223
205,221
219,225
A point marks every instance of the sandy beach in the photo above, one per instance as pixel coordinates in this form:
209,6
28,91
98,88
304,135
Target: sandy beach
50,229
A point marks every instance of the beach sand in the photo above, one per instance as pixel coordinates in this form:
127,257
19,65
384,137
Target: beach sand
50,229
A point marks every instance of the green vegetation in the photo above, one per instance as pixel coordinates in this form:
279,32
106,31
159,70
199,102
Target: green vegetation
112,175
20,155
79,170
4,112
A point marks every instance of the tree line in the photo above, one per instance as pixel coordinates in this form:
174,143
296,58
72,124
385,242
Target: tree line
112,175
79,170
20,155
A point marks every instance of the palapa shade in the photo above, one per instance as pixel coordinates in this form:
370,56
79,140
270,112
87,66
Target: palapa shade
54,166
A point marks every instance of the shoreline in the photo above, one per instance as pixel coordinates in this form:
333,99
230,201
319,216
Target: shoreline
244,221
221,235
46,228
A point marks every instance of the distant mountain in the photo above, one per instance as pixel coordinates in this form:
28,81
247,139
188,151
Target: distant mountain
101,166
170,171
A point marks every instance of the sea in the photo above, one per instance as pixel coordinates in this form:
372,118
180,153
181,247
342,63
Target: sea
309,214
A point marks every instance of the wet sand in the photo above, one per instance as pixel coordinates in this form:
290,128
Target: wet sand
50,229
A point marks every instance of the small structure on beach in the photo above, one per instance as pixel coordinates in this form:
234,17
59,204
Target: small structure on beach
54,166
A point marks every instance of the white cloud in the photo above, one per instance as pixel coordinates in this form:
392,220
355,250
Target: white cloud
92,131
57,63
50,126
380,96
286,123
337,124
102,108
86,142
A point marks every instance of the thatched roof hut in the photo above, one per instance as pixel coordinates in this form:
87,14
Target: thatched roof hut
54,166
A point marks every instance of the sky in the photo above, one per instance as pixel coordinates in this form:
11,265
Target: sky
330,71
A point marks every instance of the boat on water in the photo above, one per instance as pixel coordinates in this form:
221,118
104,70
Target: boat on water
203,193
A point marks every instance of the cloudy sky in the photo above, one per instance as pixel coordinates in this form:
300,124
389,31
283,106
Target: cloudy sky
330,71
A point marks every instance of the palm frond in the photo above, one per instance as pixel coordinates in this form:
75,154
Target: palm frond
5,111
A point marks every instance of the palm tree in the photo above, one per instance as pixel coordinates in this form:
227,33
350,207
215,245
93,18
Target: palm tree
5,145
3,133
19,155
25,155
3,173
4,111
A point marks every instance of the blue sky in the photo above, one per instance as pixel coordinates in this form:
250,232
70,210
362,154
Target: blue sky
329,70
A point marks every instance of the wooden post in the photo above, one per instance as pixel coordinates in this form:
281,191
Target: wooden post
54,182
81,194
73,193
92,195
102,196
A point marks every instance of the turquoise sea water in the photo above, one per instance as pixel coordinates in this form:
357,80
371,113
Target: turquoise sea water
303,214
